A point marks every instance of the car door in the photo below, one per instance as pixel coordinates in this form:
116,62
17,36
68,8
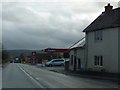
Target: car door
58,62
54,62
61,62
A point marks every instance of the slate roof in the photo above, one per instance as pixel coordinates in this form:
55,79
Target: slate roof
80,44
105,20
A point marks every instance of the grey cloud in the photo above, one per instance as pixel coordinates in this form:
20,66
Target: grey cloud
38,25
102,4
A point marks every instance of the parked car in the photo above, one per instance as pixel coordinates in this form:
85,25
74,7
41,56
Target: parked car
55,62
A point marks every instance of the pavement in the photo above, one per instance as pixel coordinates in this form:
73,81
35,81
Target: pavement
94,75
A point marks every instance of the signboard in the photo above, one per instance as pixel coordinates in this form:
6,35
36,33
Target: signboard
57,50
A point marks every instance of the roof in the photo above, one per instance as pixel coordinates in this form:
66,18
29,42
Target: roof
105,20
80,44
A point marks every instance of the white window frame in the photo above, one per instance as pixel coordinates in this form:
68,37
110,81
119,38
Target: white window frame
98,60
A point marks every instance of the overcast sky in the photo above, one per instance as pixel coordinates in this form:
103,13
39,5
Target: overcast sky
47,23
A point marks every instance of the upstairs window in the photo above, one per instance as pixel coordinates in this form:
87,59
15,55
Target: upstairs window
98,35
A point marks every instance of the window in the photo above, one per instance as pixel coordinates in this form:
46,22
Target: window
98,60
60,60
98,35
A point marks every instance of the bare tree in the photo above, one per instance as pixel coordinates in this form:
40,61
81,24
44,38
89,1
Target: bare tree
5,55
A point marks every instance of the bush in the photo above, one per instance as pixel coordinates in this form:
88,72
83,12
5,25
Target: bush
5,56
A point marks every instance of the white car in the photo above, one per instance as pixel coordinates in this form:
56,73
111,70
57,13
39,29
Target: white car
55,62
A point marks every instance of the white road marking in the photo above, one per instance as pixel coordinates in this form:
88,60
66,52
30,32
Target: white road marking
41,86
37,78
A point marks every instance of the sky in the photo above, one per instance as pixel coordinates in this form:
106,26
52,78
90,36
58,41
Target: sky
40,24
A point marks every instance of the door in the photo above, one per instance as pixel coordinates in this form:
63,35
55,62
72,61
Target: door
75,62
79,63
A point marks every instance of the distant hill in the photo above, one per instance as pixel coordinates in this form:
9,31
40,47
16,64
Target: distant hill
16,53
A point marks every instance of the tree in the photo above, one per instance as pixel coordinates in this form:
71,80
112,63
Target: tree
22,57
66,55
5,55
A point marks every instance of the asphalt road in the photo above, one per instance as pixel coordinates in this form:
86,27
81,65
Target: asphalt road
14,77
27,76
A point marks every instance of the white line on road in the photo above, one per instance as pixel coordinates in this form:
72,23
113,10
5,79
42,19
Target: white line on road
41,86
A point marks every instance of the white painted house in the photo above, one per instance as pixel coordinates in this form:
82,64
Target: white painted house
77,56
103,41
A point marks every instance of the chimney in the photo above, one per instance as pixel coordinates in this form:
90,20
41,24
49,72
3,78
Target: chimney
108,8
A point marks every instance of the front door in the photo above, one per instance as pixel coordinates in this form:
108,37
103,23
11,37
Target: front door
79,63
75,62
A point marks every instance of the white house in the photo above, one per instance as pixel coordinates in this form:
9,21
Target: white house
77,56
103,41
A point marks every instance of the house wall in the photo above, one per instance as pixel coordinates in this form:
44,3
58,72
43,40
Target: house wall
119,49
108,48
71,65
80,54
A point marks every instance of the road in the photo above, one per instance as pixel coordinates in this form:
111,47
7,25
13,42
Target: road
27,76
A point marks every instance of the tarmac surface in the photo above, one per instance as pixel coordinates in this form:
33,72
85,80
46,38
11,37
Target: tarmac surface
27,76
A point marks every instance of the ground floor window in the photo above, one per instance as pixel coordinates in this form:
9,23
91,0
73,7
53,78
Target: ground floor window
98,60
